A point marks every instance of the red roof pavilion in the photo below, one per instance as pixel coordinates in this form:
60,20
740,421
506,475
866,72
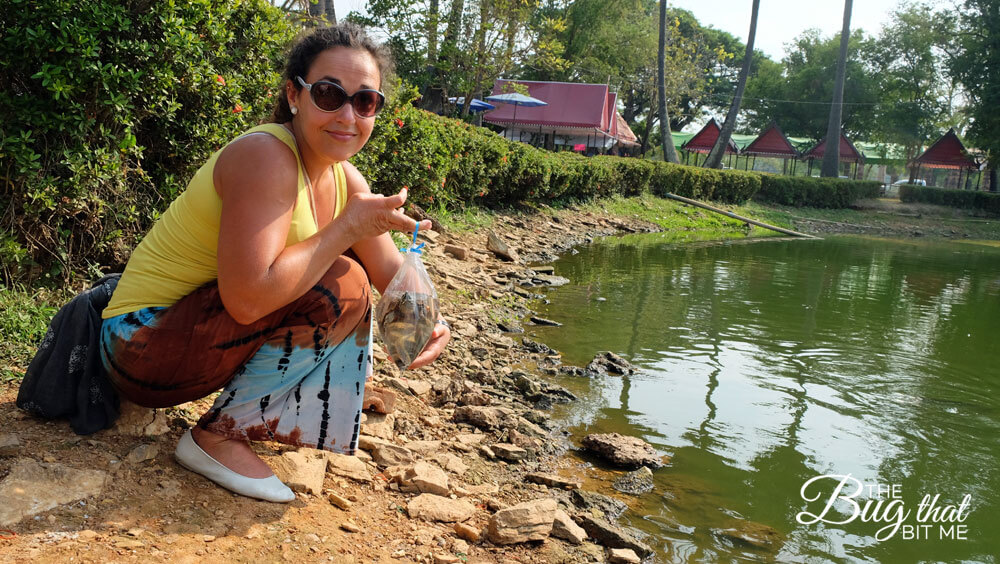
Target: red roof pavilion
704,140
947,152
847,151
771,143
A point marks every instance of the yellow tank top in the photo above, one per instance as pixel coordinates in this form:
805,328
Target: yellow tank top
179,254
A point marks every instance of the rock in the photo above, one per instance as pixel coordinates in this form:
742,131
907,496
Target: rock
33,487
339,501
542,321
303,471
379,400
509,452
470,439
486,418
392,455
611,536
553,481
636,482
424,448
460,546
350,527
370,443
631,452
426,478
609,363
467,532
458,252
549,280
419,387
528,521
487,452
138,421
428,235
347,466
446,558
526,384
623,556
536,347
609,507
451,463
564,528
499,247
753,534
9,444
544,269
142,453
475,398
380,425
432,507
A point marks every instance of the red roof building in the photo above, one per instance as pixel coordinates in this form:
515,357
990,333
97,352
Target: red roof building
576,114
704,140
947,152
771,143
848,153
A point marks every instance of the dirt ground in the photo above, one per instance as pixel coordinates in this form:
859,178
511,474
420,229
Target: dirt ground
156,511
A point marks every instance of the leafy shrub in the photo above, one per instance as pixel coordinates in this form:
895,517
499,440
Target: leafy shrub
814,192
985,201
109,107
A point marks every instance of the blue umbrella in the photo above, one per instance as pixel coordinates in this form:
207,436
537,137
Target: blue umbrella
517,100
476,105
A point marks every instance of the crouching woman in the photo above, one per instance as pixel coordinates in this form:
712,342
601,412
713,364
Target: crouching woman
247,282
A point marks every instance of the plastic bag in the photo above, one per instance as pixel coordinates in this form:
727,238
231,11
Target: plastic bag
408,310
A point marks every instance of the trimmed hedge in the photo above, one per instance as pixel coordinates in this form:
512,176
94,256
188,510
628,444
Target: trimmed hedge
815,192
968,199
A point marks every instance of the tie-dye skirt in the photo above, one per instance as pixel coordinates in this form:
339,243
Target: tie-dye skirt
296,376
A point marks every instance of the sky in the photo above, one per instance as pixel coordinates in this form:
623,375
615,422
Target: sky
779,22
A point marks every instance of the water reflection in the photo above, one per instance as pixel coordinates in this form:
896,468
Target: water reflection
764,365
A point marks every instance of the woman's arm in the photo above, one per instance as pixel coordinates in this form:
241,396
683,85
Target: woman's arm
257,179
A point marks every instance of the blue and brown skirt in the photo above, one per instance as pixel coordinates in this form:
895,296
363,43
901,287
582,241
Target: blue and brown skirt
295,376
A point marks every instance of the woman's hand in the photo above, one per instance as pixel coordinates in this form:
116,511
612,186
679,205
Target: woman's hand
439,338
368,215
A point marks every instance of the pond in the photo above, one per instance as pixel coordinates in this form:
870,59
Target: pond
765,364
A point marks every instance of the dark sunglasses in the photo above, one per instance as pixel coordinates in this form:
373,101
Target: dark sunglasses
330,97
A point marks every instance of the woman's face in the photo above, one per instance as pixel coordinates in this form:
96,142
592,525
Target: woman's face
340,134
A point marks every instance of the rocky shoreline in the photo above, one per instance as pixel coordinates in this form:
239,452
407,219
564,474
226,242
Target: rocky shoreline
459,461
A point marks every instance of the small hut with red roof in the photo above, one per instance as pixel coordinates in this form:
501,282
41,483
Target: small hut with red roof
705,139
848,154
773,143
948,152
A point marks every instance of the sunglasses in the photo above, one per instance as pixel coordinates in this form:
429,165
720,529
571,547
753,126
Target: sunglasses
330,97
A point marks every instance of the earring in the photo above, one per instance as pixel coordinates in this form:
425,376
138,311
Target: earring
294,110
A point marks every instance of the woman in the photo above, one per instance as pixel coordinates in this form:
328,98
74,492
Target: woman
246,282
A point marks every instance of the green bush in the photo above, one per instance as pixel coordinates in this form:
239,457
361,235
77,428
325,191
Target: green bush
109,106
984,201
814,192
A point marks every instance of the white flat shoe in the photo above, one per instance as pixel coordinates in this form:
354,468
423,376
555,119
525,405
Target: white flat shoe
192,457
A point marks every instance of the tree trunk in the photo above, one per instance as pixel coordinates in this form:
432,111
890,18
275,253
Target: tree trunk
331,12
714,159
316,8
432,34
669,153
831,157
480,41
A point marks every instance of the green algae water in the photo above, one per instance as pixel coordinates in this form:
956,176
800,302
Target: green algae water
785,376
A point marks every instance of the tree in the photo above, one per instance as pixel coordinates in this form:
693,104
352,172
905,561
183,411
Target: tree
714,159
669,153
974,65
913,90
831,157
796,92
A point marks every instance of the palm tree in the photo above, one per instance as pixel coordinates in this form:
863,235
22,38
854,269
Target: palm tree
831,156
669,153
714,159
